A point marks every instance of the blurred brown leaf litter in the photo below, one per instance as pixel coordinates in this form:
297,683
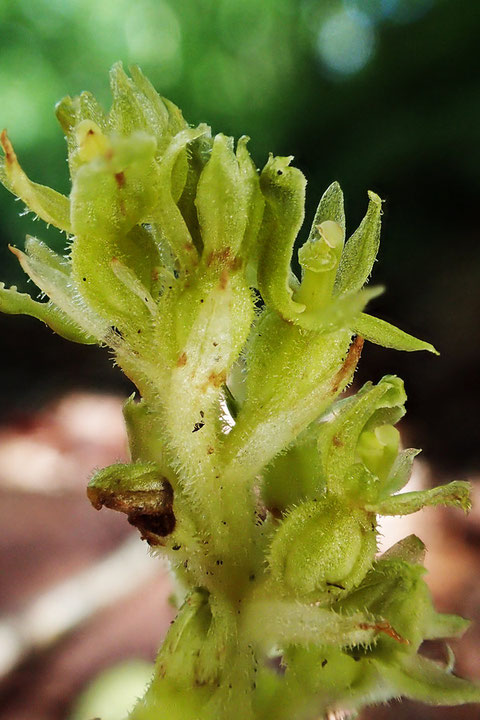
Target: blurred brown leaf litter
80,593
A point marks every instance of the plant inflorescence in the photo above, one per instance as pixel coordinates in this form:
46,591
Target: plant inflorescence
247,471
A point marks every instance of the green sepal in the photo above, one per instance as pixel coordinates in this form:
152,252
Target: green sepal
48,204
255,209
395,592
73,114
136,105
410,549
48,273
455,494
179,656
360,250
116,188
284,190
443,625
15,303
166,212
382,333
221,202
330,207
96,267
305,374
197,156
274,623
424,680
176,121
130,279
400,472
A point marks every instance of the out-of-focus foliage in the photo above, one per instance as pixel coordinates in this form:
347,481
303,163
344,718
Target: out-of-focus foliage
245,66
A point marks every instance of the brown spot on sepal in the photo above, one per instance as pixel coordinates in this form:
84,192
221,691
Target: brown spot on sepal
220,257
182,360
225,258
7,146
223,279
217,379
120,179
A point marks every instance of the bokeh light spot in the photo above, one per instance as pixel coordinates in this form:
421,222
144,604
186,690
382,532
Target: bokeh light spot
154,39
345,41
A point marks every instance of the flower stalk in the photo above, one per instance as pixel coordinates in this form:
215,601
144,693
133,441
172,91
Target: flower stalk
248,470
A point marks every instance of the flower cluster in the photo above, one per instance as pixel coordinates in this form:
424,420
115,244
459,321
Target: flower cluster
247,471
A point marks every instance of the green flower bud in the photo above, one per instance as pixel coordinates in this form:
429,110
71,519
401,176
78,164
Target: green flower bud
294,475
322,549
350,433
306,372
378,449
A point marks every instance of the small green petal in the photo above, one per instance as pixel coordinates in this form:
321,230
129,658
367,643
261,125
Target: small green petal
360,250
48,204
410,550
49,275
400,472
442,625
426,681
287,622
330,207
382,333
15,303
255,205
166,213
455,494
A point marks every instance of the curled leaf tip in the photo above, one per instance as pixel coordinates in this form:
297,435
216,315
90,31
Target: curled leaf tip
7,146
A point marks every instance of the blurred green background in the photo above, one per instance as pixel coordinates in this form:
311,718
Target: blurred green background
379,94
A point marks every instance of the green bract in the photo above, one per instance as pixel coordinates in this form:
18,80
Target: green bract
247,471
